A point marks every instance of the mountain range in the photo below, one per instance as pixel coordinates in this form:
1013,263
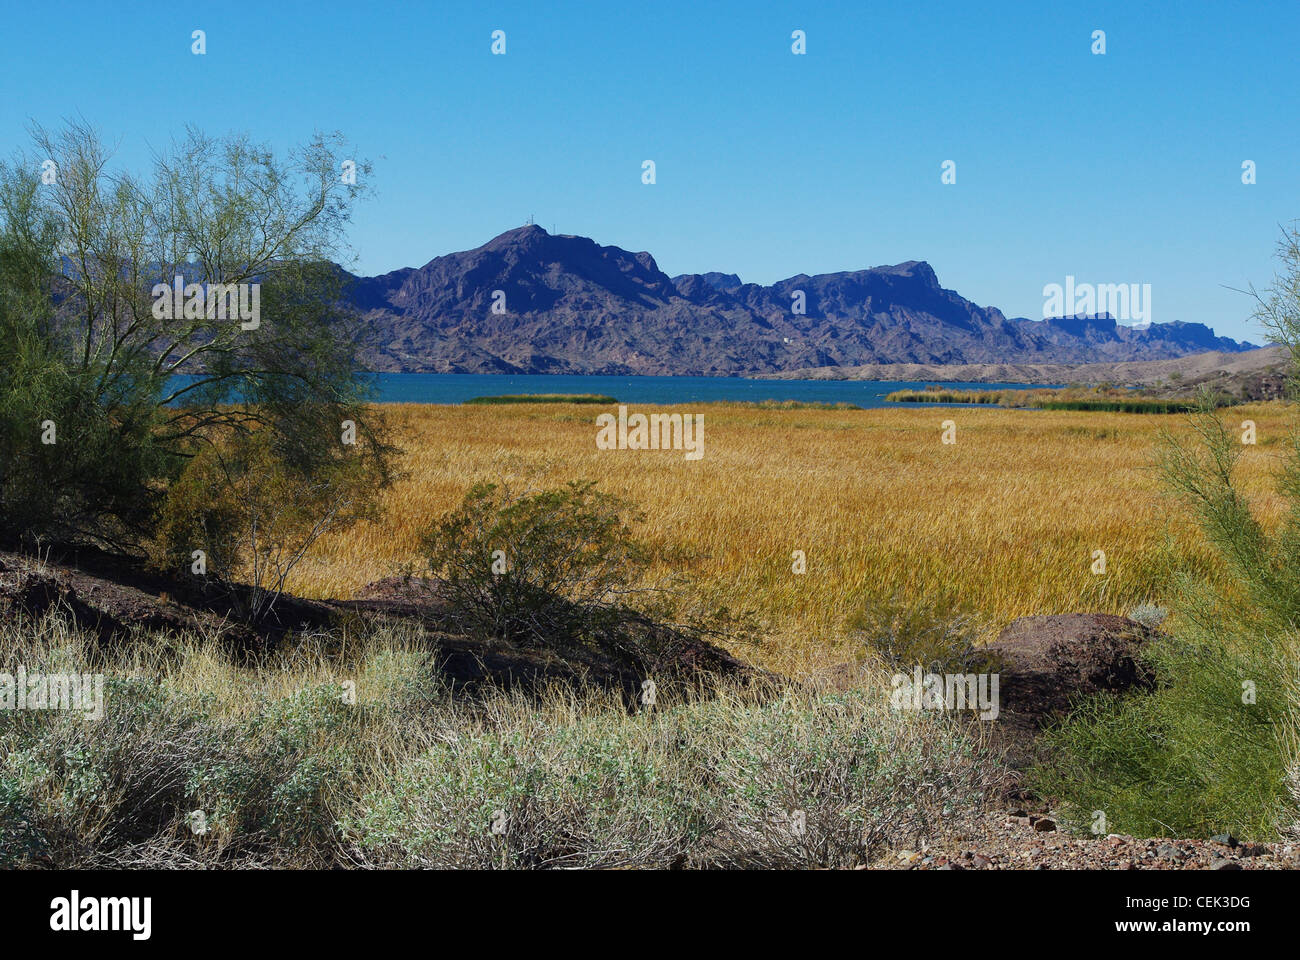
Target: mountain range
532,302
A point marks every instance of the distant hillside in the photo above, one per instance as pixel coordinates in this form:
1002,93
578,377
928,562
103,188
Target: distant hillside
1256,374
573,306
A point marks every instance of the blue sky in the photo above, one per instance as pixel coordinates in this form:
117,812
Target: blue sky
1122,168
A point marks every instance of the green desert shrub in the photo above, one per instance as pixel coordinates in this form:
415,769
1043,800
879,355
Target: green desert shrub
21,839
598,790
174,773
202,761
1205,753
1149,615
931,632
828,780
1199,756
255,516
797,780
552,568
159,759
1213,749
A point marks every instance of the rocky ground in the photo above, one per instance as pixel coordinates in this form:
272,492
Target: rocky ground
1016,839
113,598
1045,662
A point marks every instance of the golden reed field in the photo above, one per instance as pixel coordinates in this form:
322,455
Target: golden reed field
1004,522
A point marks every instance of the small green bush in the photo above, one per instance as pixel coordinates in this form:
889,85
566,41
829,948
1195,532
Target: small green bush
591,793
928,632
1192,759
1149,615
801,780
21,840
553,568
89,793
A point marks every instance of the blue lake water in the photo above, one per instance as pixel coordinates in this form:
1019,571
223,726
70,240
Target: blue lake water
459,387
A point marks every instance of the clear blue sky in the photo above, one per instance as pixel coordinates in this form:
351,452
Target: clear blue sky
1116,169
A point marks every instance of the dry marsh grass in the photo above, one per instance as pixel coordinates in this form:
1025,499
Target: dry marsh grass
1004,522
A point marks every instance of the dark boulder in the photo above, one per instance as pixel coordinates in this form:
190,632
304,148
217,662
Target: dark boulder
1048,663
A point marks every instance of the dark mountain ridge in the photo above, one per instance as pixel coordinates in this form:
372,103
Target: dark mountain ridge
532,302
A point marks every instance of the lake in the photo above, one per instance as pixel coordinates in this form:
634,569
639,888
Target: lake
459,387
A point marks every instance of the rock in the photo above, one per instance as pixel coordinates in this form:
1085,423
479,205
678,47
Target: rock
1048,661
1221,864
1168,851
1045,663
408,588
1224,838
113,598
1044,825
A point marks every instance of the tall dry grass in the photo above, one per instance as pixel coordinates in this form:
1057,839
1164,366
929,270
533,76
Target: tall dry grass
1005,522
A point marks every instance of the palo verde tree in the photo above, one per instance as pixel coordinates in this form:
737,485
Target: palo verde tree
149,321
1216,747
